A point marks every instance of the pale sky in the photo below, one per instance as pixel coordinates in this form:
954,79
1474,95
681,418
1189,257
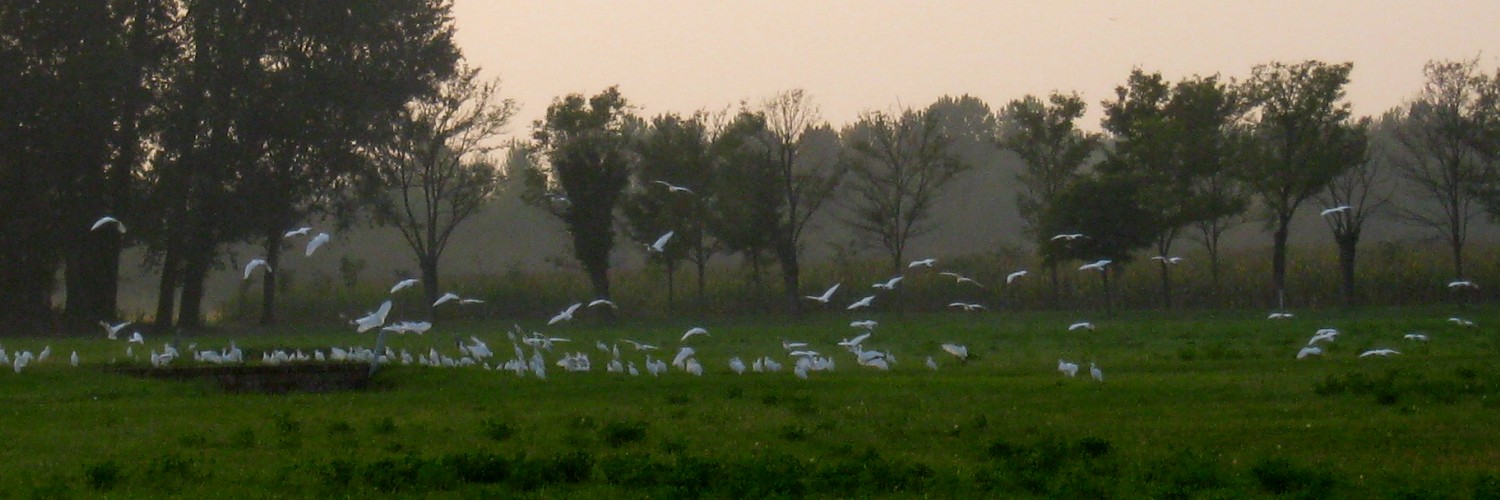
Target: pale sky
851,56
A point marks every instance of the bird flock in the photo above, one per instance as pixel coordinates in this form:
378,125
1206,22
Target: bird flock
530,351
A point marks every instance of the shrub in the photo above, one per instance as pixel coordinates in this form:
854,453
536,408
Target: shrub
621,432
496,429
1280,476
103,476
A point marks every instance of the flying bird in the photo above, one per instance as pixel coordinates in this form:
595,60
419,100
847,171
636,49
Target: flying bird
1068,236
119,226
113,331
827,294
1378,352
928,262
374,319
447,297
673,188
565,315
1461,322
315,242
1417,336
959,351
970,307
889,284
1014,276
1098,265
1081,325
1280,315
868,324
404,284
1456,284
697,330
249,268
861,303
960,279
1338,209
602,302
301,231
661,243
1167,260
1311,350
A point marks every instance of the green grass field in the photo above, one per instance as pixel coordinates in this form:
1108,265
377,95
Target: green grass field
1195,405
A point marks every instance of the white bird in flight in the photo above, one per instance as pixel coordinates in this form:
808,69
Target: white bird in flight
108,220
1098,265
928,262
254,263
447,297
861,303
661,243
966,306
113,331
565,315
1378,352
889,284
1461,322
404,284
1417,336
301,231
868,324
1068,236
1311,350
602,302
1167,260
315,242
1081,325
697,330
671,188
1456,284
374,319
1338,209
959,351
827,294
960,279
1014,276
1280,315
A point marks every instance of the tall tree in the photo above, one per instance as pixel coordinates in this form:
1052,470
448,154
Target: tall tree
1047,139
436,171
899,165
1303,140
803,153
1107,208
1144,145
587,148
1435,139
672,193
1356,196
746,197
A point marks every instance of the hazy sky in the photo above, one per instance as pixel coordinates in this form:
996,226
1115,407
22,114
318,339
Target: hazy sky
857,55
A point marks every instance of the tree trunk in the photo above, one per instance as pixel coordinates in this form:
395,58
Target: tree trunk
1347,247
197,262
1108,301
599,278
430,290
166,288
1457,246
671,286
268,281
1056,285
1166,285
1278,263
786,254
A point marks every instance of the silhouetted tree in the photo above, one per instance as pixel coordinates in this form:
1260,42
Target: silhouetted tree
674,152
1366,190
803,155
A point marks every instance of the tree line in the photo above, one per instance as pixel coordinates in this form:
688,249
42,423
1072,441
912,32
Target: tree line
201,124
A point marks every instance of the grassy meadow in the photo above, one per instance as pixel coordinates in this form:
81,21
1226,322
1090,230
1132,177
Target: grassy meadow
1194,405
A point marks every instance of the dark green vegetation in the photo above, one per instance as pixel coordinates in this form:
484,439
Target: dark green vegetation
1192,407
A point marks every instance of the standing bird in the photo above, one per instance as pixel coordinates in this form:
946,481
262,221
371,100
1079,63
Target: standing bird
737,365
108,220
1096,372
1066,368
959,351
74,358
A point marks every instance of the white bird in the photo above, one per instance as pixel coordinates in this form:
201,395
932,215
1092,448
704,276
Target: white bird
1096,372
960,279
1311,350
1280,315
74,358
464,302
640,346
108,220
254,263
1014,276
374,319
404,284
928,262
682,355
971,307
1068,236
697,330
1462,284
737,365
889,284
1417,336
1461,322
1378,352
932,363
868,324
856,341
1168,260
448,296
1323,334
113,331
137,338
673,188
1330,211
861,303
301,231
827,294
792,345
1069,369
661,243
957,350
1098,265
566,314
602,302
1081,325
315,242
